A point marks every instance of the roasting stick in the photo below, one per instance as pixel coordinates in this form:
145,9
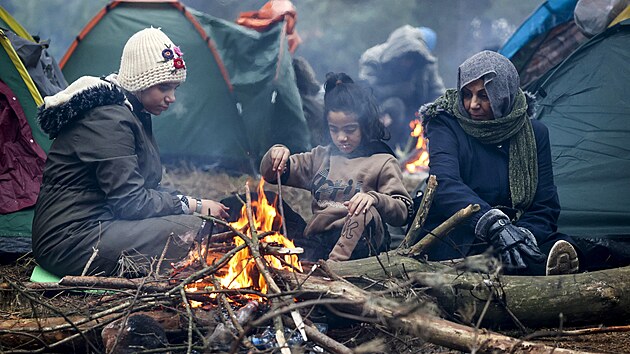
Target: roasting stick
280,207
295,315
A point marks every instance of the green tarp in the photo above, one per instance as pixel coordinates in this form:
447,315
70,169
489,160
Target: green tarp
209,123
586,106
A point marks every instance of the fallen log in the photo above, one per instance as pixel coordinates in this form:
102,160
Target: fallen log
398,315
592,298
34,333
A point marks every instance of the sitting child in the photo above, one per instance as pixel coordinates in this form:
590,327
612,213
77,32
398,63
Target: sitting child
355,179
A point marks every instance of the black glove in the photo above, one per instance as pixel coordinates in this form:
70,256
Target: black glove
512,242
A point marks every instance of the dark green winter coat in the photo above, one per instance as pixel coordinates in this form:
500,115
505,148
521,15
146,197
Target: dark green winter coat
101,187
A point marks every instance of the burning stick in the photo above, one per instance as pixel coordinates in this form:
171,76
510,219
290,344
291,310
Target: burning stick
253,247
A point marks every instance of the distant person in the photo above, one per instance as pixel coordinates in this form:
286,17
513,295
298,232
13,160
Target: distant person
485,149
101,192
355,180
404,75
312,101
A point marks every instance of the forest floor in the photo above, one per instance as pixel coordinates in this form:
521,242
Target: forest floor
217,186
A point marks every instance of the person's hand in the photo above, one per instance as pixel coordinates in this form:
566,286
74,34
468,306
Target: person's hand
512,242
279,156
213,208
359,202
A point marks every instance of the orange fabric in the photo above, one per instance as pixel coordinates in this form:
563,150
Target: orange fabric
272,12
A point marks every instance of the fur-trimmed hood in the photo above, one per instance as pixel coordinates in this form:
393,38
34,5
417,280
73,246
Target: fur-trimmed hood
69,105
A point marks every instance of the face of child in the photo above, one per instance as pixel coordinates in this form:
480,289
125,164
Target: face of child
476,101
345,131
157,98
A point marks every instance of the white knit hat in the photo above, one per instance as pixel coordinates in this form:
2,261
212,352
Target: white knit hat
150,58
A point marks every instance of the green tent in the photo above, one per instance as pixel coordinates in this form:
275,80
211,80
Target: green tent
585,104
15,227
240,96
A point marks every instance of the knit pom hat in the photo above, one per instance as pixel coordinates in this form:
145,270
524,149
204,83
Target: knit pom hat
150,58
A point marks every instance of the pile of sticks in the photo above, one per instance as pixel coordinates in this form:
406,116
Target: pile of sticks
394,289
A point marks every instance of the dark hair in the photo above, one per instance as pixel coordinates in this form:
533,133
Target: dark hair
342,94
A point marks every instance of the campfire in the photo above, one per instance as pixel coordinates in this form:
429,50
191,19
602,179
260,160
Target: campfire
241,271
418,160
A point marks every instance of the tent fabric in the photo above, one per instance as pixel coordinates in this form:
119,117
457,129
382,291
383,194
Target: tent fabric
585,105
23,144
8,22
272,12
546,51
21,159
213,122
547,16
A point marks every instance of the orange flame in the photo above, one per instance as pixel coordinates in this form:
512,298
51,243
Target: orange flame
241,271
420,159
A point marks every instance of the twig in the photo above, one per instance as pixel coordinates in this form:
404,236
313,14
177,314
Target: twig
280,207
89,262
442,229
232,315
75,326
206,271
421,215
182,292
161,259
273,287
577,332
112,282
320,338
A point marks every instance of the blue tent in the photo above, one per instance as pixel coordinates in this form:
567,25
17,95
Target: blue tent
547,16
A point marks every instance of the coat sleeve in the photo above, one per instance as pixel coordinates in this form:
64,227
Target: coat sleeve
451,194
542,216
108,144
300,168
392,200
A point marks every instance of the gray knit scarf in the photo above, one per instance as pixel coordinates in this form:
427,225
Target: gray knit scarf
516,126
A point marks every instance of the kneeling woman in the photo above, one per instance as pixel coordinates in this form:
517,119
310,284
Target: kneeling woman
101,190
484,149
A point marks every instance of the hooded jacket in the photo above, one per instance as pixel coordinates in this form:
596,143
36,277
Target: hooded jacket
421,85
103,166
469,171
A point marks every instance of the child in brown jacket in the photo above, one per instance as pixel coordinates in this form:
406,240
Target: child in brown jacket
355,180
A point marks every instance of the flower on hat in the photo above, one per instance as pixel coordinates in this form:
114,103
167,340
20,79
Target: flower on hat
178,63
167,54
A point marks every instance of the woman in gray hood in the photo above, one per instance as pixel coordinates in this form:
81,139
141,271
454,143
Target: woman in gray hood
484,149
101,193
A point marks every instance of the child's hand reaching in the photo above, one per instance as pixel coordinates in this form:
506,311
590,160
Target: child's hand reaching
279,156
360,202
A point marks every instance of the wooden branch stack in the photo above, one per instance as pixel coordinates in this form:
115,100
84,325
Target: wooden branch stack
394,290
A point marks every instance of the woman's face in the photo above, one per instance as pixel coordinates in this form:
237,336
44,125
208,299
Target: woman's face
157,98
476,101
345,131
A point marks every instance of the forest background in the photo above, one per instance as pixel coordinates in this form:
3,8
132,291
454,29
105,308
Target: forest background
334,32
